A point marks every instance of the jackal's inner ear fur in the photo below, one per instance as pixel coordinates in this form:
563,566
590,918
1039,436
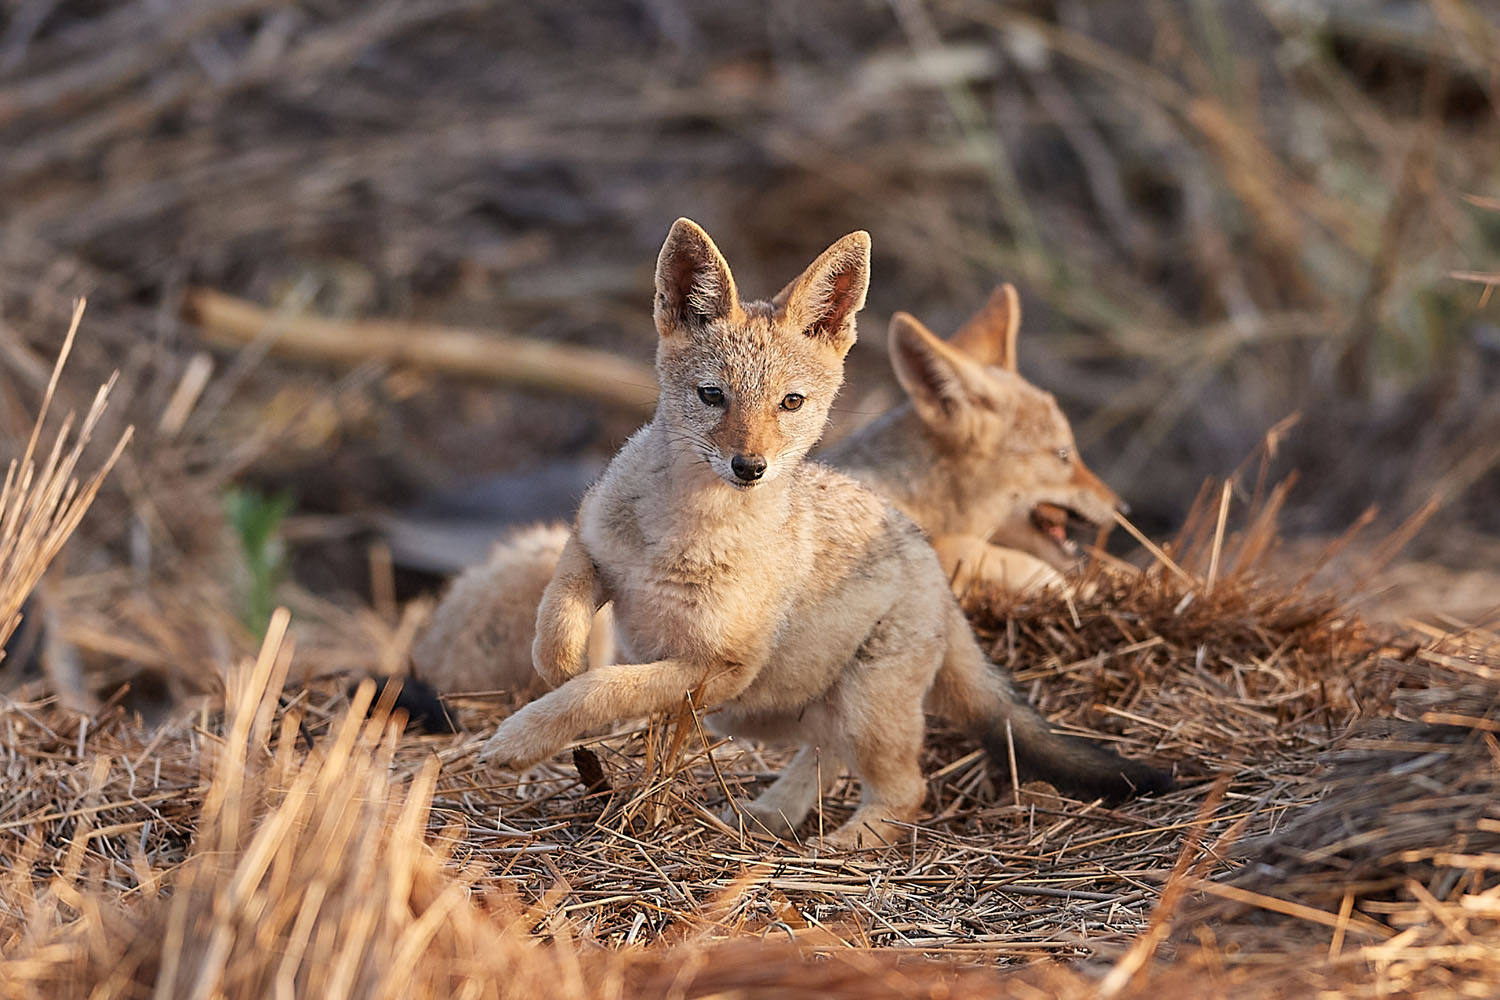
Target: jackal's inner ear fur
824,299
693,283
931,372
989,336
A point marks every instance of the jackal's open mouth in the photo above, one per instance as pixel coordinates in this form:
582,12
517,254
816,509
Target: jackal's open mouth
1055,522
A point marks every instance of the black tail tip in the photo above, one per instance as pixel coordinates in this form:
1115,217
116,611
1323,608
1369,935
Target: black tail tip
423,706
1082,769
1141,778
1119,780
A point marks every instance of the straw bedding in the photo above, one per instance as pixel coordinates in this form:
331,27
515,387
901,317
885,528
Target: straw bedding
1337,788
1335,827
268,839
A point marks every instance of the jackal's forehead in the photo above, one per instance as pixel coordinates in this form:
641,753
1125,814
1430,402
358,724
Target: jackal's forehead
754,356
1017,416
1038,420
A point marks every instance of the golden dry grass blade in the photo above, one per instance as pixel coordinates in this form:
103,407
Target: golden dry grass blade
40,509
1156,551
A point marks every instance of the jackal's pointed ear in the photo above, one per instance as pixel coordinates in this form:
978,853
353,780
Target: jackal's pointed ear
824,299
989,336
937,377
693,283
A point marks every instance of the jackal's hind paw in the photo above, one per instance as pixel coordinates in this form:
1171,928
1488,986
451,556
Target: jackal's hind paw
844,839
868,827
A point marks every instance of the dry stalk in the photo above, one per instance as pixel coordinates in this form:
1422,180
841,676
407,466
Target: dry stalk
40,507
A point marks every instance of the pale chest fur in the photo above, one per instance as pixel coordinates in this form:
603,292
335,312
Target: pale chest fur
722,576
688,579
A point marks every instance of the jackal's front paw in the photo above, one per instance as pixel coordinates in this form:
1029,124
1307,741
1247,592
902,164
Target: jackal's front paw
556,671
521,741
558,659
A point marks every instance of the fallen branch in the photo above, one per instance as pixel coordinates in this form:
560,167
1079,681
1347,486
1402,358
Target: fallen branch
227,321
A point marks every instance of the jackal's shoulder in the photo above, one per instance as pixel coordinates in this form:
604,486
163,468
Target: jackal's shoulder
846,512
822,484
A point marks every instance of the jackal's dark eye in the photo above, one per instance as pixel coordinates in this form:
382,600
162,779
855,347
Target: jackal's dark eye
711,395
792,401
1065,454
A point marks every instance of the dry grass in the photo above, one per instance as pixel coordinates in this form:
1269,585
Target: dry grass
1208,235
41,507
316,874
287,847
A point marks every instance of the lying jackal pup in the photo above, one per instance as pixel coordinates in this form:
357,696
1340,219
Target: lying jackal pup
793,602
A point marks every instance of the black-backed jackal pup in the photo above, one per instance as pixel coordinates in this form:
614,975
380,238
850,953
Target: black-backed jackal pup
790,601
982,460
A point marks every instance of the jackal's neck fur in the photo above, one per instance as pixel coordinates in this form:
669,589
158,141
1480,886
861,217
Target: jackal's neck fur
690,502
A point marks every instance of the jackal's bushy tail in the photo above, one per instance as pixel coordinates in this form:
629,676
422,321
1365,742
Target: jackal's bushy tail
975,694
480,635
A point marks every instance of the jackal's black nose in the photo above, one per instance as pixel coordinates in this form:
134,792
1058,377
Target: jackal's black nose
748,468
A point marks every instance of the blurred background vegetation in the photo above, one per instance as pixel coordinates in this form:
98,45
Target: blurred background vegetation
1218,213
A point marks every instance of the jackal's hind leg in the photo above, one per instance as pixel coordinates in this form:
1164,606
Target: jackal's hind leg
780,809
886,759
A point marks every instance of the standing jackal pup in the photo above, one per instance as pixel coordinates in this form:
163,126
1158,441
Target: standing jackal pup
793,602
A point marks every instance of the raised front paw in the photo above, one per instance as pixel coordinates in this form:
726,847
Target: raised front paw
557,664
557,673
